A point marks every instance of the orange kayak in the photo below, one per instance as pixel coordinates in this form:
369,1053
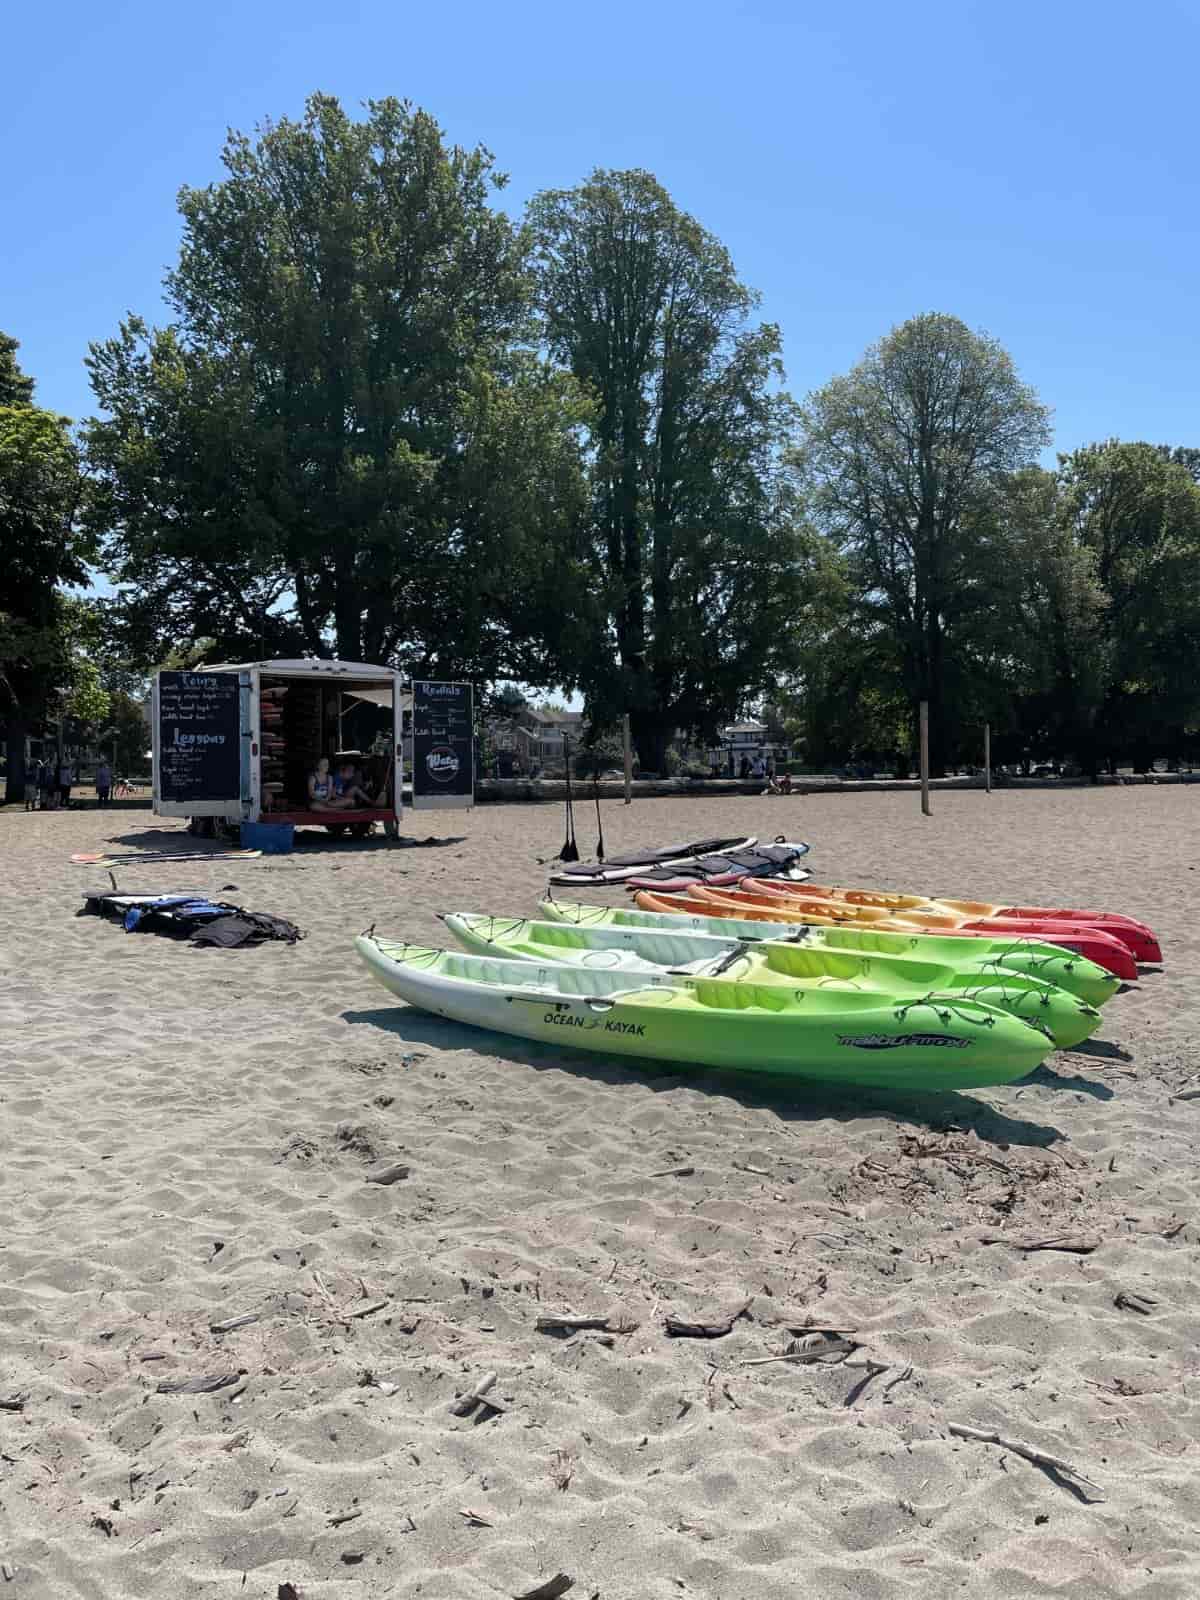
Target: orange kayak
752,906
1141,939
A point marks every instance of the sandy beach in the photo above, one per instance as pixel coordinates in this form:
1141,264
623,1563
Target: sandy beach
187,1133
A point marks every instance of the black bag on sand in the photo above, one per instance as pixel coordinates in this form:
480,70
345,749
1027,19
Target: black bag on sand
246,927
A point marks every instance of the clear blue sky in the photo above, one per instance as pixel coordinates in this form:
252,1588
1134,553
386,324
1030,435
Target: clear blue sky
1031,168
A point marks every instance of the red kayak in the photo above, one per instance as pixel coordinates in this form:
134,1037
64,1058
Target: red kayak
948,913
767,902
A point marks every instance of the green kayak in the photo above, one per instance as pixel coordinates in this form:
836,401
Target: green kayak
1051,963
1067,1018
844,1036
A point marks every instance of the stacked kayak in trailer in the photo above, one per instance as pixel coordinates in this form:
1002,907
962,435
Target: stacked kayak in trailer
848,1037
1068,1019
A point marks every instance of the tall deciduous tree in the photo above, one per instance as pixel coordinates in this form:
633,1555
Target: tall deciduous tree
906,455
40,549
341,443
701,567
1136,516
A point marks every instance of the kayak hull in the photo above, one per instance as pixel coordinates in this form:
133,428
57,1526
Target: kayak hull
1068,1020
1096,943
1139,938
852,1040
1053,963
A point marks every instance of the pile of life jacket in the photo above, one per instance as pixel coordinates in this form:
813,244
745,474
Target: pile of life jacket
191,916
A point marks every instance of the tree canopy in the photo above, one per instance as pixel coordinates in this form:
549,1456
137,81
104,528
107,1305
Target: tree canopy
906,456
343,442
702,568
41,548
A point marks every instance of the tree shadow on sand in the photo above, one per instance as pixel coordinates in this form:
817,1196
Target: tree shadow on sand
309,841
791,1099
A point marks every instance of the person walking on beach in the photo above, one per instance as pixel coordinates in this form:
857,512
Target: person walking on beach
45,784
66,778
103,783
33,785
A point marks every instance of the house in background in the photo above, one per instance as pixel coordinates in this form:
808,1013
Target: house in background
746,741
531,740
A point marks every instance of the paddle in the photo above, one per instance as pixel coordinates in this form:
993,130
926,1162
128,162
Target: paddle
570,850
596,797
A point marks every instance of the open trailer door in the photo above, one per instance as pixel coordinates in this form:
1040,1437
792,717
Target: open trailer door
202,735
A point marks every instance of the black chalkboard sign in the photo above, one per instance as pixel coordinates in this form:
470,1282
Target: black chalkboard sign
443,745
199,736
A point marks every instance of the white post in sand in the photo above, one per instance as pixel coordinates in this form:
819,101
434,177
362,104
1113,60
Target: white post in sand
628,760
925,758
987,758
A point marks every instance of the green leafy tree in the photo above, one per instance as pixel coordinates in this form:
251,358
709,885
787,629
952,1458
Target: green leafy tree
700,567
1136,516
343,442
40,549
906,456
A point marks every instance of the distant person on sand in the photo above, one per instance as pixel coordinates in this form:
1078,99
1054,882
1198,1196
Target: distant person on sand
45,785
744,769
33,784
66,778
103,783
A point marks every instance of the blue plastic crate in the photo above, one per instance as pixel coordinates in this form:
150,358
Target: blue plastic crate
272,838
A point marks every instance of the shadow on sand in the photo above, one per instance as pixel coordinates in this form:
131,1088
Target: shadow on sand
309,841
791,1099
1049,1079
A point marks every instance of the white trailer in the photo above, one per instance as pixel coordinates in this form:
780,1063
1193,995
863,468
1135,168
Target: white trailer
227,746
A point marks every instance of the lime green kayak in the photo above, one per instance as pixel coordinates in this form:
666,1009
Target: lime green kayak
1069,1020
1051,963
844,1036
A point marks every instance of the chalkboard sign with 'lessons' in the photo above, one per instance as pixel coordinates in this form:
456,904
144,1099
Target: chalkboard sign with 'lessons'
199,736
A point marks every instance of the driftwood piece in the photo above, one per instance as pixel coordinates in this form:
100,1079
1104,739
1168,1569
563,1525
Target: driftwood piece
233,1322
551,1323
343,1516
873,1370
1078,1244
680,1328
393,1172
208,1385
466,1403
12,1402
550,1590
365,1308
1039,1458
1128,1301
675,1172
475,1519
892,1383
806,1351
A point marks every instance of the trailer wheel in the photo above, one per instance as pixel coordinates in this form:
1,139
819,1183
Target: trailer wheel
392,828
361,830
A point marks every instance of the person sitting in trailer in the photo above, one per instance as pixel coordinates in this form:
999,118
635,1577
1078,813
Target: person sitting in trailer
348,789
321,794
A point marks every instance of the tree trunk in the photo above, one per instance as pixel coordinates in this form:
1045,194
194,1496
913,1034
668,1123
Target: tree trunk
650,740
14,738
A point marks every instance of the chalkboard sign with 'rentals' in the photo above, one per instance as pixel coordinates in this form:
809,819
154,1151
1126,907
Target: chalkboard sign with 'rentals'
443,745
199,736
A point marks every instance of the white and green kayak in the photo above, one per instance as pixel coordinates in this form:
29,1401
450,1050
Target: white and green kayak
1052,963
843,1036
1069,1020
